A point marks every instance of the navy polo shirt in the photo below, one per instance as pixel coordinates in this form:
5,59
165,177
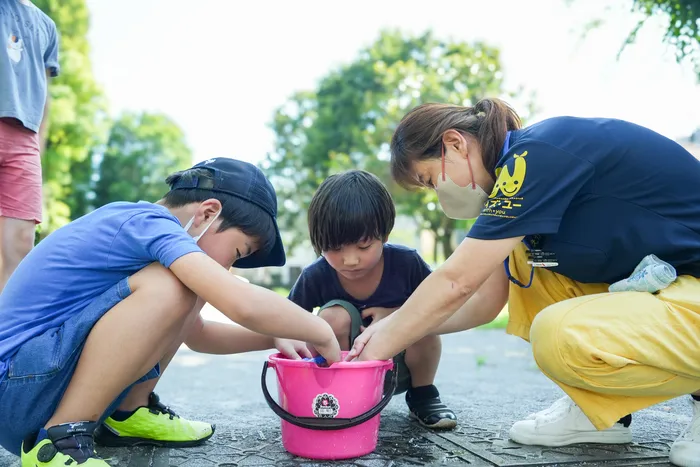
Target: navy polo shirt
600,194
404,270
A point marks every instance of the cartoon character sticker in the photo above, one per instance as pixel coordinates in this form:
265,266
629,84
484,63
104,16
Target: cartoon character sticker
15,46
509,184
503,201
326,406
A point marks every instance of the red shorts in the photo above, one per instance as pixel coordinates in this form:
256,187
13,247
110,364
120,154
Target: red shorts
20,173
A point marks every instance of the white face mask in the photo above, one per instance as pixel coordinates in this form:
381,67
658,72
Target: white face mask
459,202
189,224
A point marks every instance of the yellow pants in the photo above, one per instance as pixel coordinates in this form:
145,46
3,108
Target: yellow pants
612,353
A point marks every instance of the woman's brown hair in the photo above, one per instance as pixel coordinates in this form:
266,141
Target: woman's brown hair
419,134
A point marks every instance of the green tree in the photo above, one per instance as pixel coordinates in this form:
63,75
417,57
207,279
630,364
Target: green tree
142,149
682,26
76,114
348,120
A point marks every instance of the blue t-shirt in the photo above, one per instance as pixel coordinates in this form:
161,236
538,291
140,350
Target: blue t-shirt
404,270
28,48
598,194
82,260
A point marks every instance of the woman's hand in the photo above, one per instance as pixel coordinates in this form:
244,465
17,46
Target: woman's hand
439,296
377,314
362,340
290,348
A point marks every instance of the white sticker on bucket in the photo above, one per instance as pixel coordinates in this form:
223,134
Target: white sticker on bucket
326,406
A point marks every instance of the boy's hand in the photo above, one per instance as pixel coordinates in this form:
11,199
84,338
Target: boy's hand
377,314
329,349
296,350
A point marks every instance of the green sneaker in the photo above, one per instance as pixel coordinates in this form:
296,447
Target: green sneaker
153,425
70,444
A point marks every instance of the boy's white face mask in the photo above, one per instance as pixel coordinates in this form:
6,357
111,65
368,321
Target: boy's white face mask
459,202
189,224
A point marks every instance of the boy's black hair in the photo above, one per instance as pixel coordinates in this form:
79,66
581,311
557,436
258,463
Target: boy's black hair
235,212
349,207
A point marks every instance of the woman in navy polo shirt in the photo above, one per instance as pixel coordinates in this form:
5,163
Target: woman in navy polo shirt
564,208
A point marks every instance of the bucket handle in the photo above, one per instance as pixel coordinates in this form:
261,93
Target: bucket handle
314,423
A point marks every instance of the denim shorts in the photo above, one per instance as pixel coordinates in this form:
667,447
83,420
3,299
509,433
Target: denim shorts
39,373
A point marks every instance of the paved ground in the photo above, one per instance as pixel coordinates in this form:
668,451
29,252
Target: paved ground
489,378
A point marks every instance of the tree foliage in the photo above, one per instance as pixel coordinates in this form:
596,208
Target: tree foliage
76,114
89,160
347,122
683,29
141,151
682,26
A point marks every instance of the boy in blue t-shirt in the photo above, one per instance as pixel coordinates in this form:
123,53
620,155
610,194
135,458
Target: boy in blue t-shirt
360,279
92,316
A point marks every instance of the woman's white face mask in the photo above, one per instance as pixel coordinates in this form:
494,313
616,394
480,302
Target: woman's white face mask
459,202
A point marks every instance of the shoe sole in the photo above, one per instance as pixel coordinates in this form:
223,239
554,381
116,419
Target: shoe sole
444,424
684,462
684,459
108,439
578,438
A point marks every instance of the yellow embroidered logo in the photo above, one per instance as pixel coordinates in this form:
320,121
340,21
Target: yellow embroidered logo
509,184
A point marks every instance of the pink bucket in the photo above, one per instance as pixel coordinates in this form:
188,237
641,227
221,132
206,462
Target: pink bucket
333,412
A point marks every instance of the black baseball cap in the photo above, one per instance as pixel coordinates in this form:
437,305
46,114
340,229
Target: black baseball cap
245,181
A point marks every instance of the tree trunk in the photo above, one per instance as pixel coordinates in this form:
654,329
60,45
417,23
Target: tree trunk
435,245
446,239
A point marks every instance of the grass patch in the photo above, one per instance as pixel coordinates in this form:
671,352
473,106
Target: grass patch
281,291
500,322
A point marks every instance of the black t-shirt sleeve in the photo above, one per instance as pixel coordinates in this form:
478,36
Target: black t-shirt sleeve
305,291
533,190
419,271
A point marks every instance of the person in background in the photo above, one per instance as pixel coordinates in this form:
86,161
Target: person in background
28,58
361,279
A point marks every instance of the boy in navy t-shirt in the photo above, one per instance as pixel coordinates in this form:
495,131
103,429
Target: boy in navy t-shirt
360,279
93,315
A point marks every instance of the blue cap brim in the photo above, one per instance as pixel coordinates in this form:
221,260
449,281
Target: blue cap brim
275,257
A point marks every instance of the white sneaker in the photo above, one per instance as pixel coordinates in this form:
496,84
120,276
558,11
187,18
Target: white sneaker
564,401
564,423
685,451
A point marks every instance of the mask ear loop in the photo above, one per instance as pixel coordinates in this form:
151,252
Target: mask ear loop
471,172
469,163
443,161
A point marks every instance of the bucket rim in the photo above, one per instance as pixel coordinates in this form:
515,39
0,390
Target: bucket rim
281,360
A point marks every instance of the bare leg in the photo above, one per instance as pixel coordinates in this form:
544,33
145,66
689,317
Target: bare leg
143,327
422,359
138,395
339,319
16,240
423,399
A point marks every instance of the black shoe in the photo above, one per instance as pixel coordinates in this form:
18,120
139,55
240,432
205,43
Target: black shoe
69,444
429,410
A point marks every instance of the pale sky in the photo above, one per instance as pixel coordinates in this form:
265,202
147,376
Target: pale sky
220,68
